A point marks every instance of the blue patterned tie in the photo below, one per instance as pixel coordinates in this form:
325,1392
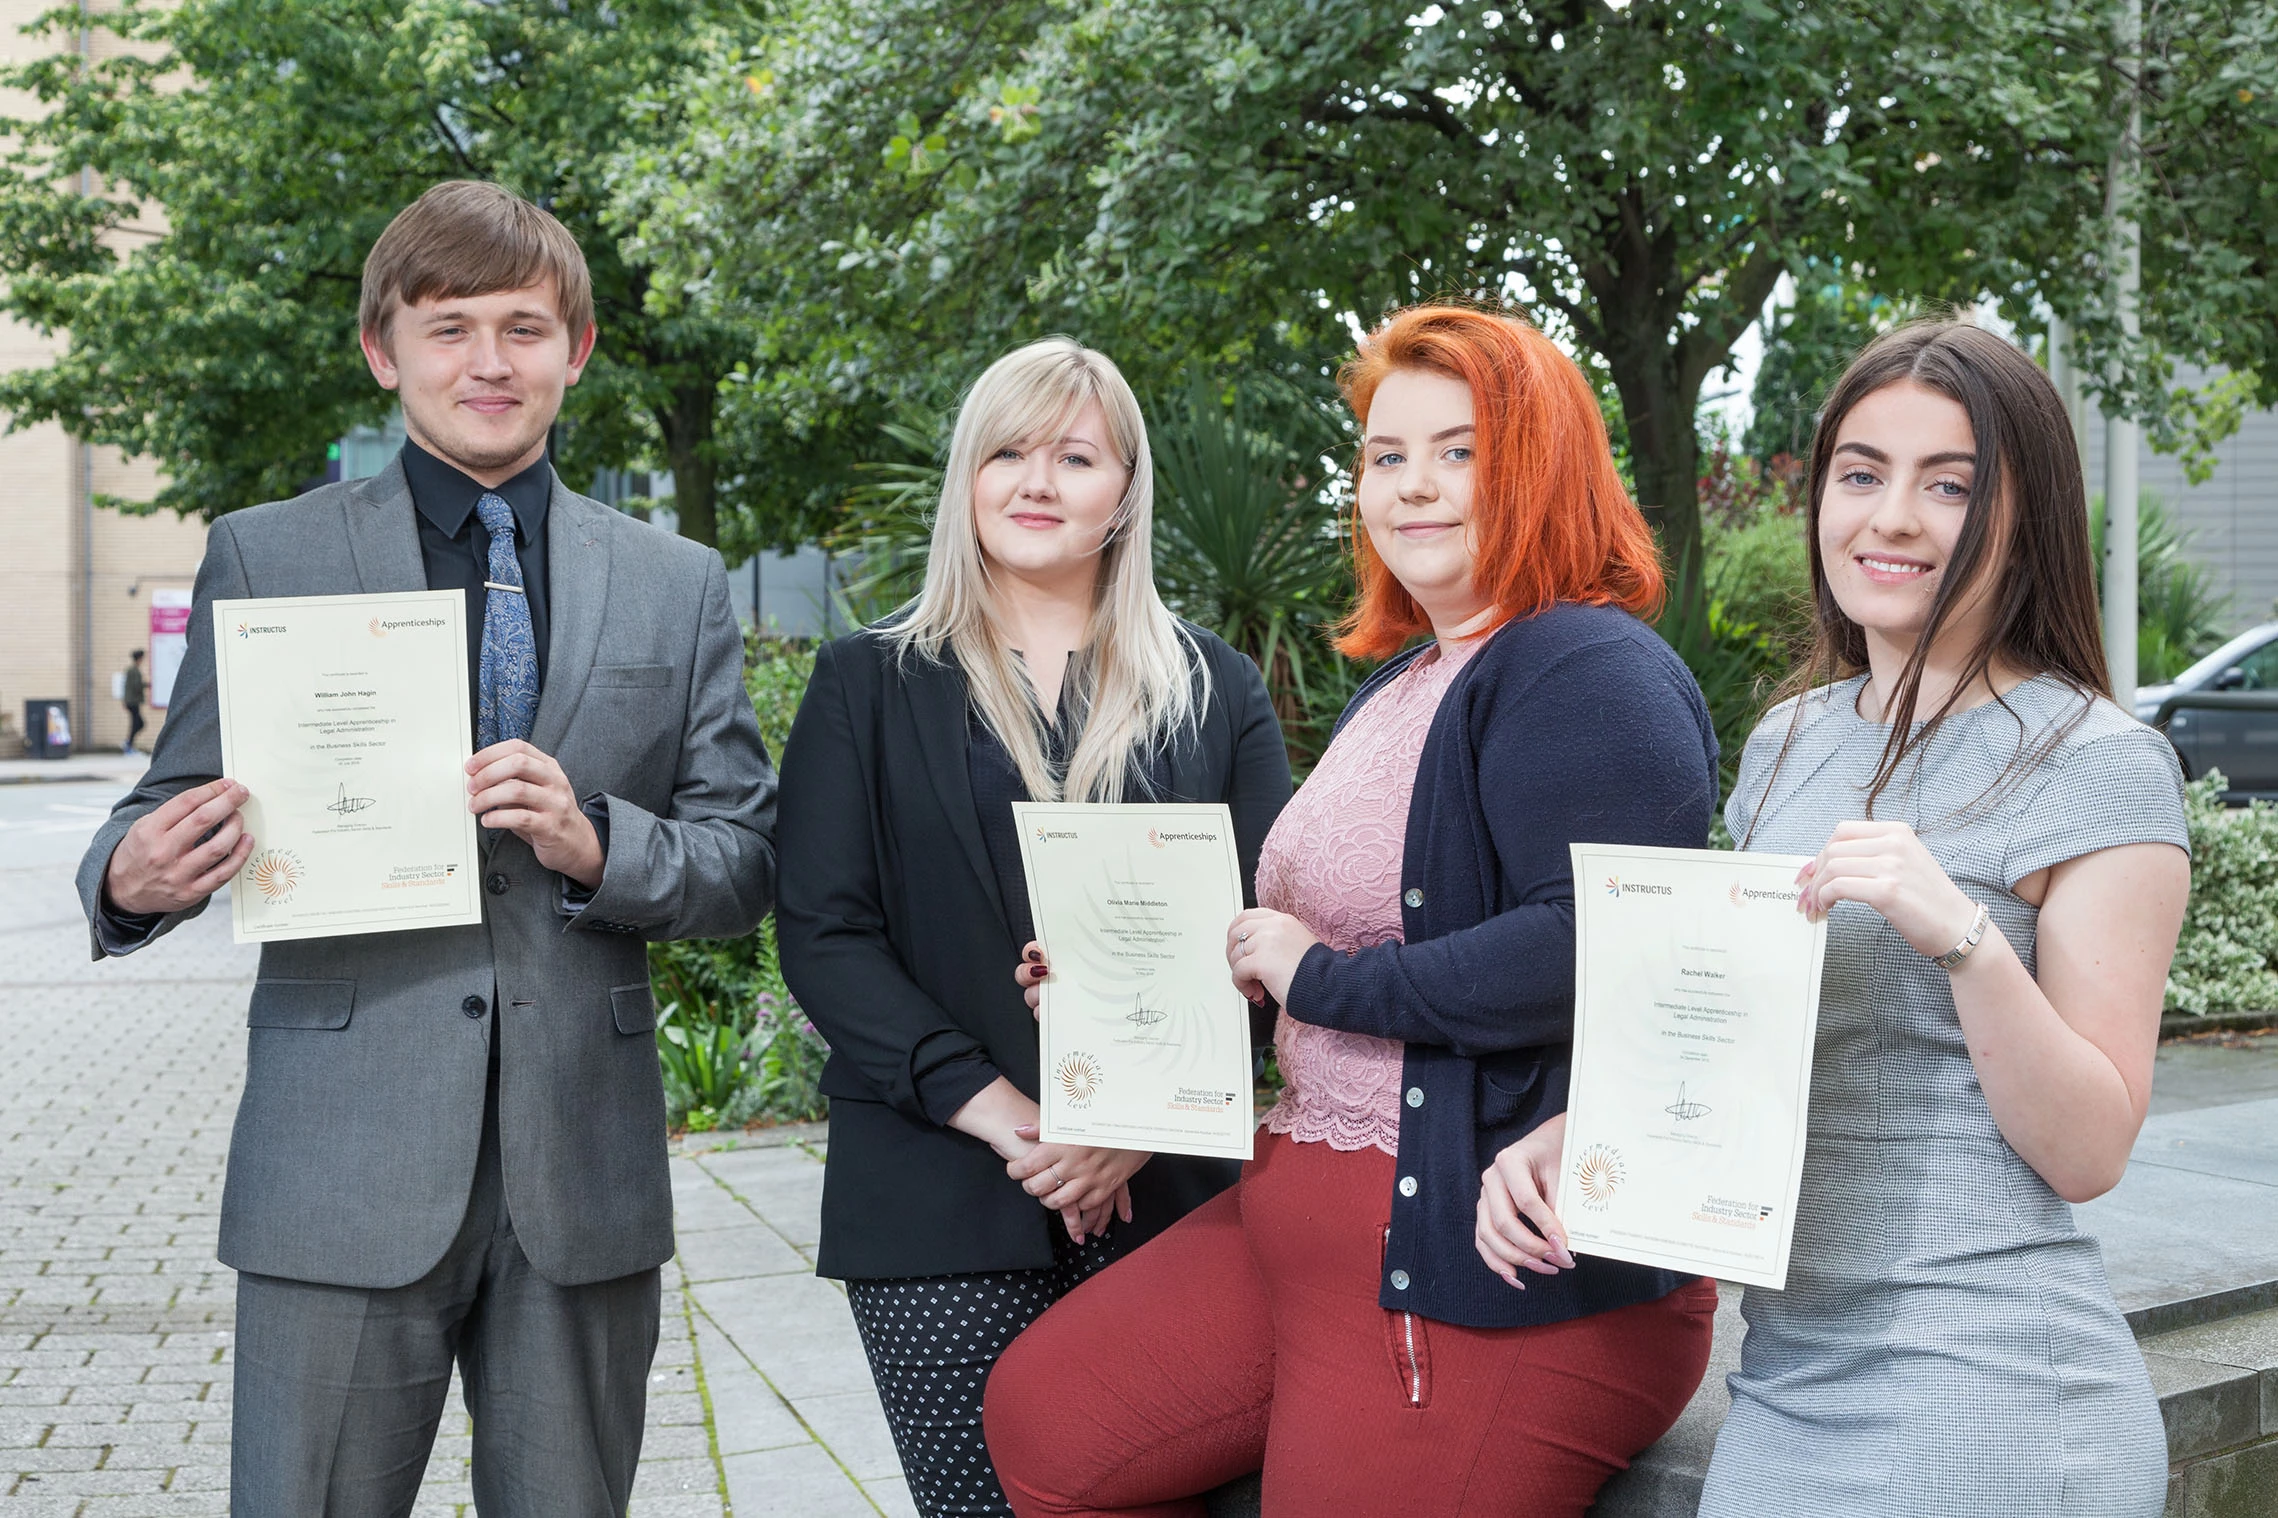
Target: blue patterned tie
509,696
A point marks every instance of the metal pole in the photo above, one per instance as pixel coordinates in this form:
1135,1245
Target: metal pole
2120,432
2065,375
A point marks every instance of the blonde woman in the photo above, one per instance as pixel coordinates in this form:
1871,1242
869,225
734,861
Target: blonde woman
1036,664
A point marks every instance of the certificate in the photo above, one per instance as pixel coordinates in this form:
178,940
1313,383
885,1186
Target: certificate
1145,1042
345,717
1696,1002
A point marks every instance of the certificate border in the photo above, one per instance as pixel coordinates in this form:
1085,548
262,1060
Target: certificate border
1783,866
1223,815
453,605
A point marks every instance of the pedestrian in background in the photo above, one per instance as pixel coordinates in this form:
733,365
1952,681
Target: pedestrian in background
1329,1319
132,692
1037,663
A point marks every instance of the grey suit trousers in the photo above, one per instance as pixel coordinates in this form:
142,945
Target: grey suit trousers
339,1389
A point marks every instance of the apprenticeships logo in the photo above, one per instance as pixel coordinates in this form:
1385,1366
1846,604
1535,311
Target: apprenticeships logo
1744,895
1080,1078
379,628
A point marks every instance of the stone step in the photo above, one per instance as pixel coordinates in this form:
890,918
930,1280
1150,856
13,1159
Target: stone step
2218,1395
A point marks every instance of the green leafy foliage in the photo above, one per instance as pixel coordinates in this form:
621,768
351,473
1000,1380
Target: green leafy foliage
2179,613
1806,349
1247,543
733,1044
1181,185
241,157
2227,960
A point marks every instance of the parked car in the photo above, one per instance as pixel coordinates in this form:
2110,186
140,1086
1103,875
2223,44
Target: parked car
2222,714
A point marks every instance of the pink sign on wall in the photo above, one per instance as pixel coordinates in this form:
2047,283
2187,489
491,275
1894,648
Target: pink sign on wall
169,638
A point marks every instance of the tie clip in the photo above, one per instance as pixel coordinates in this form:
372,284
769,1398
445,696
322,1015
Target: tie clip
494,585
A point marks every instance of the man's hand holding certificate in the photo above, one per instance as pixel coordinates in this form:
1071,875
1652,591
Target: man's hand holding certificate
1696,1003
346,718
1145,1043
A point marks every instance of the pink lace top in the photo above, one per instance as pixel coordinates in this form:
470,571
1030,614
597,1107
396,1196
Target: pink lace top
1333,862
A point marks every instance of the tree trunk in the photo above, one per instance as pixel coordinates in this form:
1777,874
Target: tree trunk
1658,405
687,428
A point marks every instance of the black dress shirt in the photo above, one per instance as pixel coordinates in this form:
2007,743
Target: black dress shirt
456,548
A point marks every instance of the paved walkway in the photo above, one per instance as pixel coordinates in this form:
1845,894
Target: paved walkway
117,1089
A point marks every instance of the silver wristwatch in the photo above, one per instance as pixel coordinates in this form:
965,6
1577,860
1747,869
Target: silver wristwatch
1961,951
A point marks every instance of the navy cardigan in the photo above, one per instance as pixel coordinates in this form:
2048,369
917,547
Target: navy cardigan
1577,725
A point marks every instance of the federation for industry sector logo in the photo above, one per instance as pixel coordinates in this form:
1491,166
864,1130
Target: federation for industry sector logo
250,630
1046,835
1080,1077
275,873
1618,887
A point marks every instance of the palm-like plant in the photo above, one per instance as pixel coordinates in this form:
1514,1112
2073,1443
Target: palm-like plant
1247,542
889,522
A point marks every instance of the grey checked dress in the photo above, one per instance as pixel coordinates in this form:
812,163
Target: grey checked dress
1947,1344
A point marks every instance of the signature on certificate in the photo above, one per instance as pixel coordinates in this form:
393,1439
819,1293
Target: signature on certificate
347,805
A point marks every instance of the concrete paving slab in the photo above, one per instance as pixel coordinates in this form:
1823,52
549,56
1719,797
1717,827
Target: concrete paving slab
783,1186
2197,1212
800,1482
2214,1071
853,1426
893,1497
753,1249
2238,1140
794,1329
747,1413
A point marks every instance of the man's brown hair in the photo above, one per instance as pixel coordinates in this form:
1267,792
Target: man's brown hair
467,237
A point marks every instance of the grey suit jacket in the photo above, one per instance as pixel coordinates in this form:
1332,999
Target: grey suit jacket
356,1137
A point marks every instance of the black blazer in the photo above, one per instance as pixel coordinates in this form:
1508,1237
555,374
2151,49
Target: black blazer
892,930
1576,725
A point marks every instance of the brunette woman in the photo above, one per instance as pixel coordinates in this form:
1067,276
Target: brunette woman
1037,663
1329,1319
2000,852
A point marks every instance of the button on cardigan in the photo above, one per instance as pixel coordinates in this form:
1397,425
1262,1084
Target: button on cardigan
1576,725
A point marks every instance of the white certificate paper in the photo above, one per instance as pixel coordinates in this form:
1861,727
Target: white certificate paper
1145,1041
346,719
1696,1002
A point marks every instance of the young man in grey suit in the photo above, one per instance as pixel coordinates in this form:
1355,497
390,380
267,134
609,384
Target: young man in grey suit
451,1146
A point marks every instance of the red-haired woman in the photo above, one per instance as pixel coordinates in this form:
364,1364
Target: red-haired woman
1329,1318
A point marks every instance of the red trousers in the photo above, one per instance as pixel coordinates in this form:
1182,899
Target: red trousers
1250,1335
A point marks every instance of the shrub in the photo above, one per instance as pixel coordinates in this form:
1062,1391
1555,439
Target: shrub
734,1047
2227,959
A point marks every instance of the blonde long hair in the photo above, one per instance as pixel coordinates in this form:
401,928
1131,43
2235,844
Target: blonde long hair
1134,684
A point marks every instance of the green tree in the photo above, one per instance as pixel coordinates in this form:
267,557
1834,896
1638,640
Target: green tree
1806,348
194,213
1241,182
